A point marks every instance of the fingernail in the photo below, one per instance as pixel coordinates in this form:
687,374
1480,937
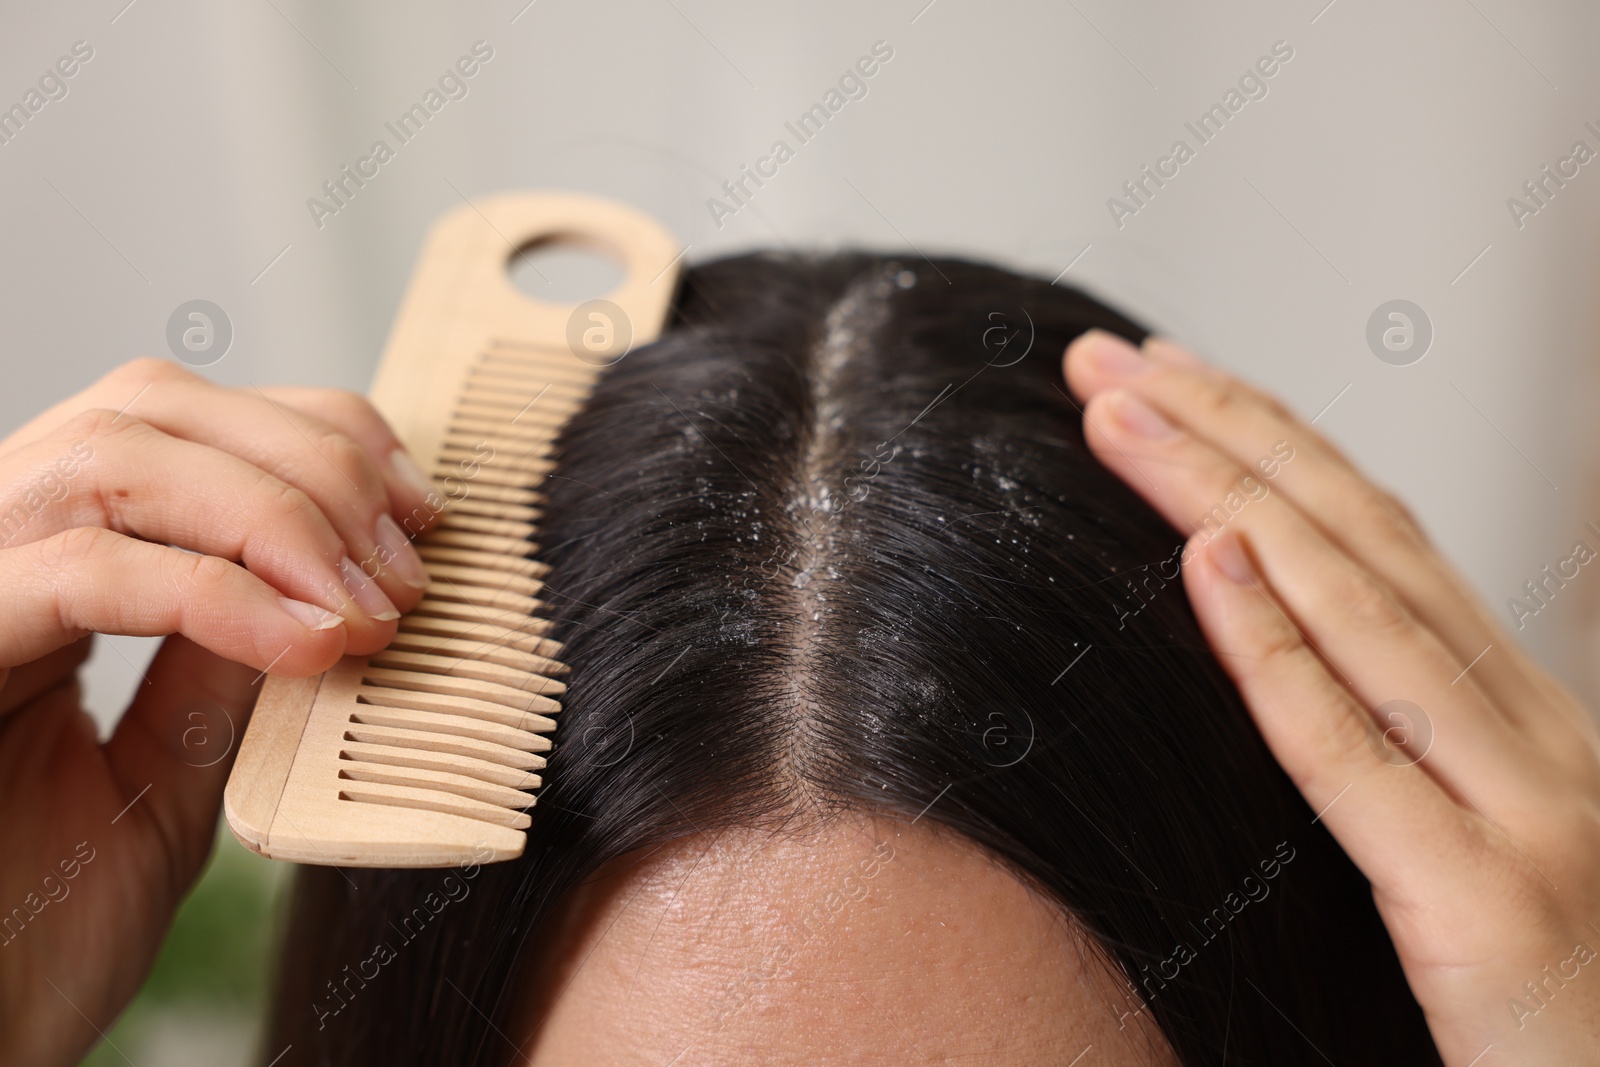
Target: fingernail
1112,355
365,592
309,615
405,468
403,558
1140,418
1170,352
1230,556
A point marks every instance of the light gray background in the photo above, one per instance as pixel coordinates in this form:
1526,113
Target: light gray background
1378,167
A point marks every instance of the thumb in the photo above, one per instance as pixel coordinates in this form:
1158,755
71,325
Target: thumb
177,742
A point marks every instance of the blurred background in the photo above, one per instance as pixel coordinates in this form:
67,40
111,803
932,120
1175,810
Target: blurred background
1394,153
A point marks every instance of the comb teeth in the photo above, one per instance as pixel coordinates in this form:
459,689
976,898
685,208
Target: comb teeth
429,753
450,716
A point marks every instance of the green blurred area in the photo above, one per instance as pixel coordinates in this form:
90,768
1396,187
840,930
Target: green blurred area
204,1002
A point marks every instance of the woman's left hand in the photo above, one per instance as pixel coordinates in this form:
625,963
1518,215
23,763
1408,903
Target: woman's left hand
1461,779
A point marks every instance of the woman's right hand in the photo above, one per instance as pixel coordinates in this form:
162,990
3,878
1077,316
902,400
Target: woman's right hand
269,530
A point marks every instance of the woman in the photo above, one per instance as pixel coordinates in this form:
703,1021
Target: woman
893,735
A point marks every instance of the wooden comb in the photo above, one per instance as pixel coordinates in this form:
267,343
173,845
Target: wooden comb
425,754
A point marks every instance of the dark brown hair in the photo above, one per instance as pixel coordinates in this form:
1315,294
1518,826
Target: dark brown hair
836,541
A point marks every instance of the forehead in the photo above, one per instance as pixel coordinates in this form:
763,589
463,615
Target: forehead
862,941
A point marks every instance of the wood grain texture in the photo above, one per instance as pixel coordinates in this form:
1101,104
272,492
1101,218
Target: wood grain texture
426,754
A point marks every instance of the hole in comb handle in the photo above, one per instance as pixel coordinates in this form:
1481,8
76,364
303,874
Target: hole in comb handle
563,271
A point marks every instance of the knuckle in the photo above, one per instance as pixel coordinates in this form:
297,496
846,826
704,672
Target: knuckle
1221,396
1267,402
345,408
78,544
287,504
98,424
1349,736
1277,643
347,457
147,370
1217,399
206,572
1380,512
1518,885
60,556
1366,604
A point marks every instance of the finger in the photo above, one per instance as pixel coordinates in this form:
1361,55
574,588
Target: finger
1393,820
1373,644
409,488
1274,446
339,475
131,477
176,744
90,580
387,553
